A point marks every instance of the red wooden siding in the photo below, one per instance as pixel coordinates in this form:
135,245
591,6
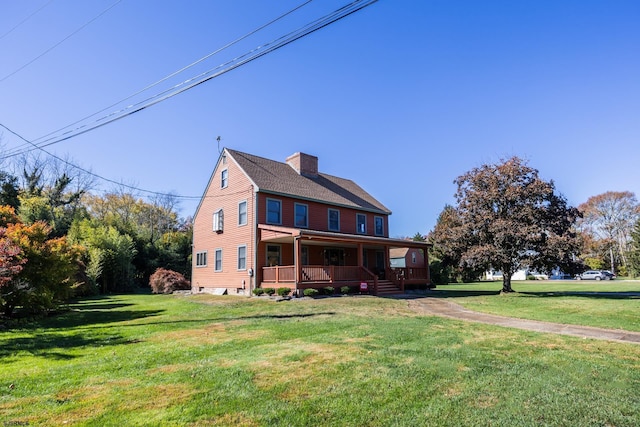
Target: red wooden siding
319,215
238,189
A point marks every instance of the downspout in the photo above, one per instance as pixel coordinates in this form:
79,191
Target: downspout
254,226
296,263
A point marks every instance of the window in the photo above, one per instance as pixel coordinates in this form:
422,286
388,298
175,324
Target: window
242,213
201,259
361,223
218,221
334,220
218,262
379,226
273,255
414,258
302,217
224,178
274,211
305,255
242,257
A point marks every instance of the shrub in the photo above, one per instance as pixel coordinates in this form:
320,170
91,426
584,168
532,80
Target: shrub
531,277
269,291
258,291
283,292
165,281
345,290
310,292
329,290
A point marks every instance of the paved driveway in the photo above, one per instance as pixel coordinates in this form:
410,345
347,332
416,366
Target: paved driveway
442,307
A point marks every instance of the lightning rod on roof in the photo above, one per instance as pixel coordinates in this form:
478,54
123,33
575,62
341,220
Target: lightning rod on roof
219,138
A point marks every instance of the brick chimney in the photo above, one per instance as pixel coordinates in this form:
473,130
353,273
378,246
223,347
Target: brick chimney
304,164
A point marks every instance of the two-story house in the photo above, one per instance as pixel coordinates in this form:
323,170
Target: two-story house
264,223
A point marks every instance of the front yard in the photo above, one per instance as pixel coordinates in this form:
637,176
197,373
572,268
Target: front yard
351,361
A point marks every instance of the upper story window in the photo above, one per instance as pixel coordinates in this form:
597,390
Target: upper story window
334,219
224,178
379,226
274,211
218,221
301,215
361,223
242,213
201,259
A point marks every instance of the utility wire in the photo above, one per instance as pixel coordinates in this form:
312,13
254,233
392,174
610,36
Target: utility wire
18,150
206,76
94,174
180,70
256,53
60,42
25,19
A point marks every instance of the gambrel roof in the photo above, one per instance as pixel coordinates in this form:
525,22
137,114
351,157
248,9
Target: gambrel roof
275,177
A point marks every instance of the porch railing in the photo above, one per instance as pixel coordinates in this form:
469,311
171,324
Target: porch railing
316,273
279,274
330,273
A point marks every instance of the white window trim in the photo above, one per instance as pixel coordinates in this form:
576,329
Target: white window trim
245,258
358,215
224,184
246,213
329,210
375,218
215,253
295,206
218,226
267,212
205,259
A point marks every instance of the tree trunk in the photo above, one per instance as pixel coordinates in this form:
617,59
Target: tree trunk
506,283
611,256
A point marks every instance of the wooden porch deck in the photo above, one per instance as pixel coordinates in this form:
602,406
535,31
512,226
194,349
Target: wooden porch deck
318,276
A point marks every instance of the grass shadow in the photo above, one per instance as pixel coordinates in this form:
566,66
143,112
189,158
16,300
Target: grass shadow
588,294
49,345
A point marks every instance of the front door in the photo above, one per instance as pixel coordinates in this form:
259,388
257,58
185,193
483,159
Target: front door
380,265
333,256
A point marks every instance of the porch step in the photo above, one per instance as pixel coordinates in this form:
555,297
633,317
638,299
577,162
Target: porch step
386,287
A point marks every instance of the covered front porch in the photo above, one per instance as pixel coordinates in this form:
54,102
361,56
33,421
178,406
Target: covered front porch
300,259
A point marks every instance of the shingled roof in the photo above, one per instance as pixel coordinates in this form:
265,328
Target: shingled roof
275,177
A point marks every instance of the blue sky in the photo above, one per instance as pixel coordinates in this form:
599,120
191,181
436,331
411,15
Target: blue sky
402,96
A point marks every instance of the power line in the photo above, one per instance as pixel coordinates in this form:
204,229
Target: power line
18,149
25,19
196,81
60,42
206,76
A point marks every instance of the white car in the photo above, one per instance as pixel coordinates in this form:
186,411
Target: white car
593,275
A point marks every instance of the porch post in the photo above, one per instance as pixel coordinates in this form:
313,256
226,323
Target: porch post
360,258
297,261
426,264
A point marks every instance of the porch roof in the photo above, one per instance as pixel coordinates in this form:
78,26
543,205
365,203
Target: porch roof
274,233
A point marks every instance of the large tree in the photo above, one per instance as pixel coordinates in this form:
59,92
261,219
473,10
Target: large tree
609,218
508,218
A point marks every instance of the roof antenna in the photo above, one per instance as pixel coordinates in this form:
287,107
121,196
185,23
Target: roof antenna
219,138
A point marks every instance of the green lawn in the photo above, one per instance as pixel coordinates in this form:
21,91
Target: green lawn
608,304
353,361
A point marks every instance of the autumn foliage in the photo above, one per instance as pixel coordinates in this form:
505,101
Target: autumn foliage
507,218
165,281
37,271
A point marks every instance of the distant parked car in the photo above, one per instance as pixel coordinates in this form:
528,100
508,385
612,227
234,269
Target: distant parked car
561,276
610,274
595,275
